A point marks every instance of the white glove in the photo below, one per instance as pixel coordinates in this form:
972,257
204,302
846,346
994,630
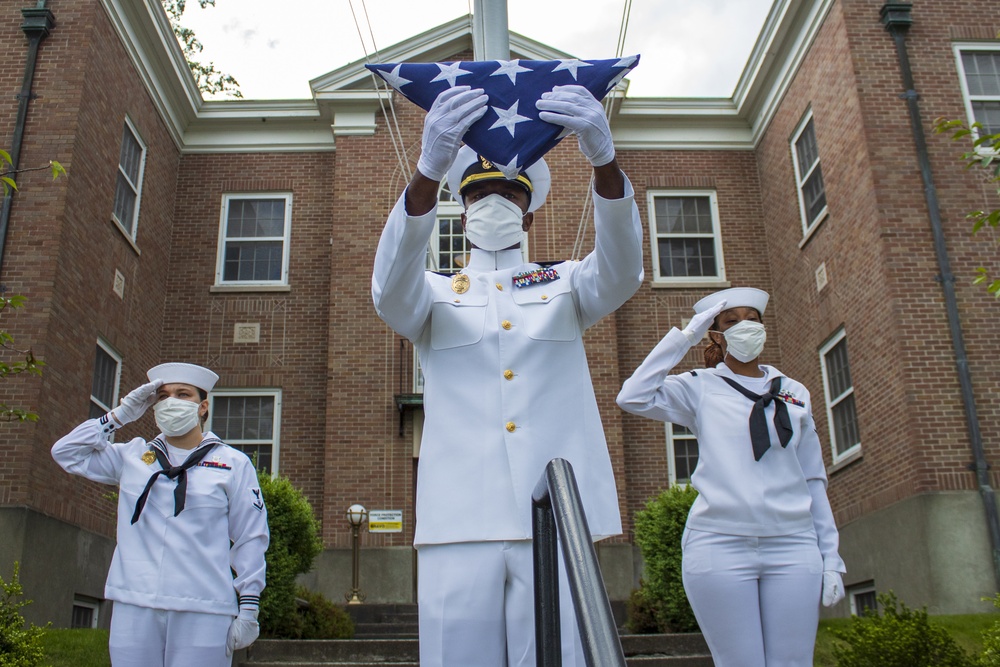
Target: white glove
702,322
242,631
577,110
833,588
135,404
452,114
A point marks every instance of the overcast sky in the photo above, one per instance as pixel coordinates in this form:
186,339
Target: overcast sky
689,48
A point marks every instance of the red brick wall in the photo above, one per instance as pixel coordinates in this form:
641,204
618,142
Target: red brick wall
63,250
291,354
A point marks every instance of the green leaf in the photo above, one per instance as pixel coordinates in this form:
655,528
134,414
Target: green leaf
8,182
5,156
57,170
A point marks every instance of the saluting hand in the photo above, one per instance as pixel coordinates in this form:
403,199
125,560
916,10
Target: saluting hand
135,404
702,322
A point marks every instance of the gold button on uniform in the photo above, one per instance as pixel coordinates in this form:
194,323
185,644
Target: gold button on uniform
499,287
511,427
505,324
544,297
508,374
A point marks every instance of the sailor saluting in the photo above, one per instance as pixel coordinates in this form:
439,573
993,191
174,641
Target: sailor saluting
188,569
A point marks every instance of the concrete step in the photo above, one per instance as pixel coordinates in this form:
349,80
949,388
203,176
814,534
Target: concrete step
666,650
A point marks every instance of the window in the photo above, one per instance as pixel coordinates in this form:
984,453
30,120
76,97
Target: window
684,229
85,612
682,454
863,598
131,162
248,420
448,250
104,385
840,408
808,175
980,68
254,239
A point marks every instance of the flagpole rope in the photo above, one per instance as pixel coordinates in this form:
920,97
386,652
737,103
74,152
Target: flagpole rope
392,123
608,108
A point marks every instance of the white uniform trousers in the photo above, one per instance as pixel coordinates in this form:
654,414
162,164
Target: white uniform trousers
756,598
477,602
144,637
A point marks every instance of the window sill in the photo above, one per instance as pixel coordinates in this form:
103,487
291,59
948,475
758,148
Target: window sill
128,238
249,288
851,458
700,284
812,230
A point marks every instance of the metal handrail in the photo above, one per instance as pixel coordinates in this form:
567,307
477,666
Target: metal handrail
556,504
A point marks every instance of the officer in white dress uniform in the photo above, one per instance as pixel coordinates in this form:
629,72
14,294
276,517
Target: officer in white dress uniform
507,387
760,547
190,515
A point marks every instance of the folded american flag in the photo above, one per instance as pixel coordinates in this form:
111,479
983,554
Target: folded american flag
510,134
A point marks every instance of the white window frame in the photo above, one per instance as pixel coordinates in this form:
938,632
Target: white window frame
275,441
716,236
964,47
861,589
800,178
130,228
671,454
833,401
223,239
111,352
93,605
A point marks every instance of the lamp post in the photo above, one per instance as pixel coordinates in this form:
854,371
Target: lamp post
356,515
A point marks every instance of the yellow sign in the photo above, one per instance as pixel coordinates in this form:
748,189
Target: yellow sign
385,521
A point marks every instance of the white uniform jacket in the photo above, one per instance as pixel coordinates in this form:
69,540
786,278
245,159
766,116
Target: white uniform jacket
177,563
782,494
506,382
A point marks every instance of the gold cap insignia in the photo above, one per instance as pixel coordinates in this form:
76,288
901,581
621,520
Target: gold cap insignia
486,163
148,457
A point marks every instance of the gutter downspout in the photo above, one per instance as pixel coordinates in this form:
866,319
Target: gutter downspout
896,19
38,22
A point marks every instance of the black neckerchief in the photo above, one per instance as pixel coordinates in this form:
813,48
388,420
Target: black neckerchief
178,473
759,437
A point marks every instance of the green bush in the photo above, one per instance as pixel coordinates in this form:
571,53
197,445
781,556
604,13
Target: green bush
321,619
898,637
991,641
658,532
20,646
295,543
640,612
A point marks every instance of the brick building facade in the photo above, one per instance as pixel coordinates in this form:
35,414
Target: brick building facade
805,183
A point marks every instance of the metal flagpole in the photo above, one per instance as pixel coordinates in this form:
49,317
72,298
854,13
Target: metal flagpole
490,36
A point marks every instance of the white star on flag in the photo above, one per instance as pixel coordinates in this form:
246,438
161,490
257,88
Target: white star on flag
571,66
394,79
508,118
450,72
511,69
513,88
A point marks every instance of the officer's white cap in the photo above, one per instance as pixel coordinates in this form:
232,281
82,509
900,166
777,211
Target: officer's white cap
538,174
735,297
196,376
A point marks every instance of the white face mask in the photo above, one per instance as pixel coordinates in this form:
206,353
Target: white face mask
745,340
494,223
176,416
